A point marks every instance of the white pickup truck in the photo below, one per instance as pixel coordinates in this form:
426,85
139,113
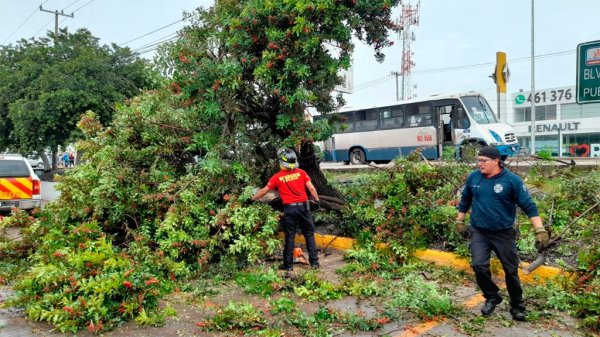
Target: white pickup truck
20,187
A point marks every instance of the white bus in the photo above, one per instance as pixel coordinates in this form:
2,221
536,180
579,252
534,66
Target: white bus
385,132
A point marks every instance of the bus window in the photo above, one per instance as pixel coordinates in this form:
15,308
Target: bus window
479,110
366,120
391,118
418,114
385,113
445,112
347,119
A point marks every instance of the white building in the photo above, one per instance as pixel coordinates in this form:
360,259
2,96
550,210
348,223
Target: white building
562,126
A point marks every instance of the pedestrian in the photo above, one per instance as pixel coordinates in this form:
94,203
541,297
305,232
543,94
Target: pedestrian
492,193
71,159
65,159
292,183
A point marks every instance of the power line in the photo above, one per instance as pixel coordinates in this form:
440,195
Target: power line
87,3
23,23
71,4
463,67
154,46
156,42
374,81
46,25
152,32
149,47
522,59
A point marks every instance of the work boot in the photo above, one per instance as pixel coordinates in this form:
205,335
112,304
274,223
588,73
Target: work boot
315,265
490,305
518,313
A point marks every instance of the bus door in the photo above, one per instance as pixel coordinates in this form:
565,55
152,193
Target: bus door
446,112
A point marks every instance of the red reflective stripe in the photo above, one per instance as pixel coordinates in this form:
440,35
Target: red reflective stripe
25,189
5,190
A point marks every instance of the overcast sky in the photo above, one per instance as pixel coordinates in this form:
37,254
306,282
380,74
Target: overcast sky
458,33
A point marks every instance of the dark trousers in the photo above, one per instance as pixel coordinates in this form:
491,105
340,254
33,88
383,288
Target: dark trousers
294,216
502,243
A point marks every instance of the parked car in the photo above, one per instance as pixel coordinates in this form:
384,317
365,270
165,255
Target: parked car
20,187
35,161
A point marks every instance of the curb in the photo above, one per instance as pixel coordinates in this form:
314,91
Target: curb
540,275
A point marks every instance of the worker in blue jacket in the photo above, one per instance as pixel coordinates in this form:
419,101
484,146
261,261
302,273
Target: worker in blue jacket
493,194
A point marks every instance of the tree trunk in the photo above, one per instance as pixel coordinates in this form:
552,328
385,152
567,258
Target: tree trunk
54,161
44,158
330,197
78,157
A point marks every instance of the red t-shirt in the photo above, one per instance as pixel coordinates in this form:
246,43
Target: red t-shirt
291,185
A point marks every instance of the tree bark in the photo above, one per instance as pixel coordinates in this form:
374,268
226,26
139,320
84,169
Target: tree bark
47,163
330,197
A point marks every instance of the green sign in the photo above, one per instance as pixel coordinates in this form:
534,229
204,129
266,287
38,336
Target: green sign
588,72
520,99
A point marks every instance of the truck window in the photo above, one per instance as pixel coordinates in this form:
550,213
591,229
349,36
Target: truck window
13,168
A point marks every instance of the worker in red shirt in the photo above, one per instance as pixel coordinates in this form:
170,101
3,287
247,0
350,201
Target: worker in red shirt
292,183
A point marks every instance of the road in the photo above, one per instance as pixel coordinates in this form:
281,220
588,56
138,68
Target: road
49,192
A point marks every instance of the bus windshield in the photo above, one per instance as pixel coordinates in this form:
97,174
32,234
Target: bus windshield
479,110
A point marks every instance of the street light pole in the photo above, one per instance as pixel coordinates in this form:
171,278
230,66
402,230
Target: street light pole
532,81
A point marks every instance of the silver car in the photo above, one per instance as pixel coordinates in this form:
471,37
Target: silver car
35,161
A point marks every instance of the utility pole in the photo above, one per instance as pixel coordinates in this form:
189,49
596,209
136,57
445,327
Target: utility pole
409,18
396,73
56,14
532,81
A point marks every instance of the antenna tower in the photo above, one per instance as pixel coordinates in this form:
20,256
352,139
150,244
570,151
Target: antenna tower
408,19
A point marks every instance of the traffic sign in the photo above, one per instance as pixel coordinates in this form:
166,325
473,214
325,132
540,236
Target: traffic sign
588,72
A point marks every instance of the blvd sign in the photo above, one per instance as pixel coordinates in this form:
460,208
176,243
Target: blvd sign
588,72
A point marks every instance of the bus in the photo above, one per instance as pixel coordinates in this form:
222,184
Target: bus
382,133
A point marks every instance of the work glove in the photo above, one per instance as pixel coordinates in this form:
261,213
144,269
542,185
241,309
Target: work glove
542,239
461,229
314,205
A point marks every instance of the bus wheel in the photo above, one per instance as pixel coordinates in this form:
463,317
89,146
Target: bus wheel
357,157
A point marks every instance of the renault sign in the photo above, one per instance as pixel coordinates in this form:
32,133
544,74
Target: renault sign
588,72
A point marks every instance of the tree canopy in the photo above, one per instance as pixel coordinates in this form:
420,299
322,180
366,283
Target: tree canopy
251,69
46,85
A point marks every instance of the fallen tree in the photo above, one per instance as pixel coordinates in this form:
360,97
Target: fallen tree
164,189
